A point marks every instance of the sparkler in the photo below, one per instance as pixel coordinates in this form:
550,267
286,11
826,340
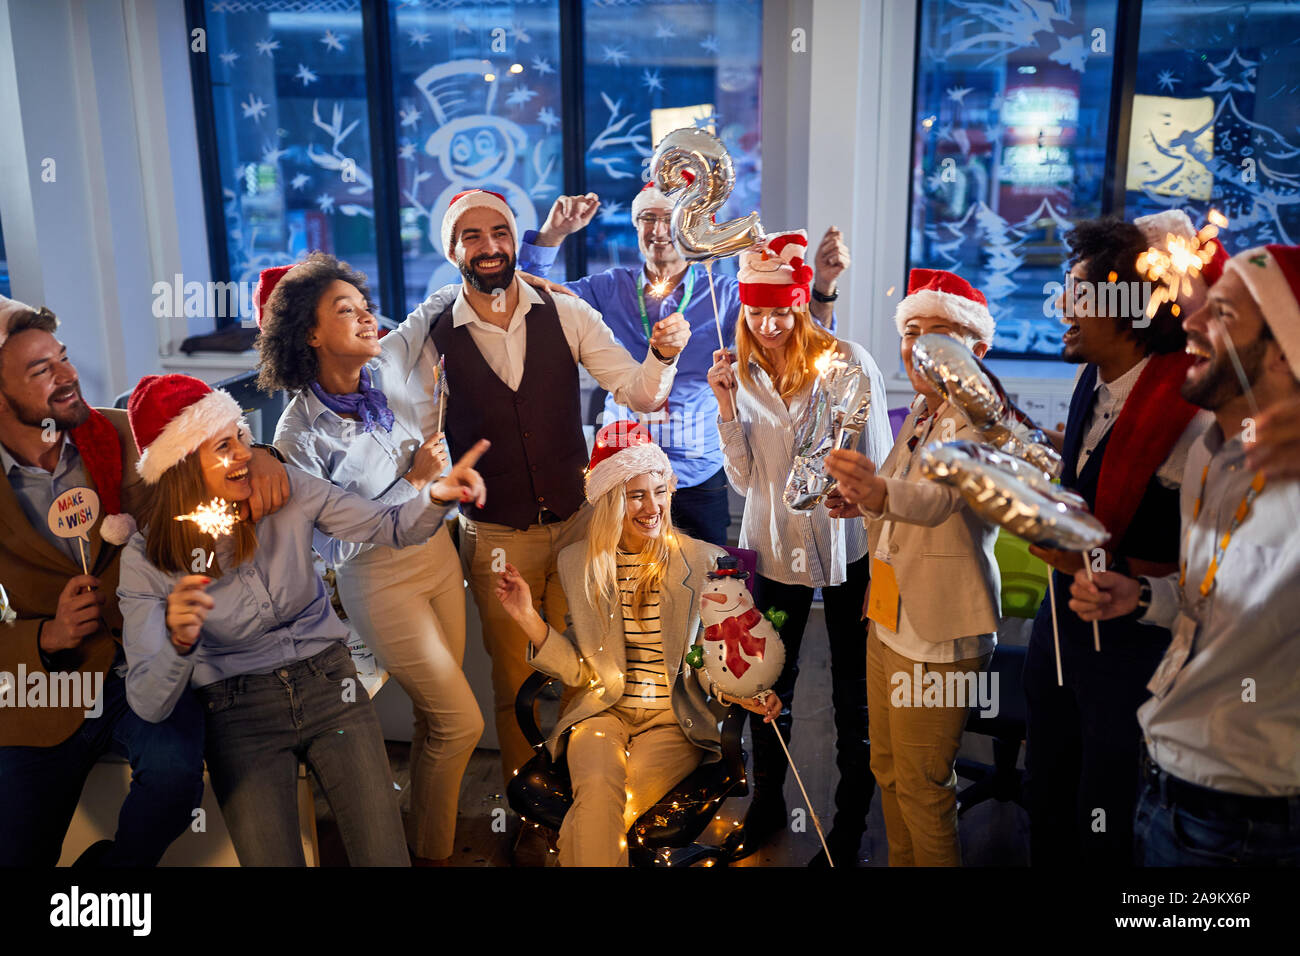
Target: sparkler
1181,261
216,518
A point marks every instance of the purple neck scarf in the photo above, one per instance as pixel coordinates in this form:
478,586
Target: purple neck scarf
369,403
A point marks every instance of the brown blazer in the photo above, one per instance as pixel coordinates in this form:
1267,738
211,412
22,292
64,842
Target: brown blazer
34,573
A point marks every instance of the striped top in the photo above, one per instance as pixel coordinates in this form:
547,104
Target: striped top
646,682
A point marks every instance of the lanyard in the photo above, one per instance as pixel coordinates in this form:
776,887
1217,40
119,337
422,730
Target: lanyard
1243,509
686,298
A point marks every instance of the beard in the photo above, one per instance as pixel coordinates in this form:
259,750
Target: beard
38,416
487,281
1219,384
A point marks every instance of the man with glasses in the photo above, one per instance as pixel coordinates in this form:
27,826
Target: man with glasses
632,299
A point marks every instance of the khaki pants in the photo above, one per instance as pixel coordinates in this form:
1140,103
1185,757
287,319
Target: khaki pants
484,551
621,762
913,753
408,605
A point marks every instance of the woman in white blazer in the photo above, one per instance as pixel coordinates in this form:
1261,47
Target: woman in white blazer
640,722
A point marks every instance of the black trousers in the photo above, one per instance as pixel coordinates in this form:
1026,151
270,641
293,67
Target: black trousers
1083,744
848,646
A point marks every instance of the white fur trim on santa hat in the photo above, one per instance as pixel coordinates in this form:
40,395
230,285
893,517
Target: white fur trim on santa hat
649,198
187,431
116,529
625,465
1157,227
473,199
1278,300
967,313
8,309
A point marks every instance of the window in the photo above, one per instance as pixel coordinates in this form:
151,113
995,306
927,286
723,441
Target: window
1011,127
4,265
347,125
650,67
292,135
1216,118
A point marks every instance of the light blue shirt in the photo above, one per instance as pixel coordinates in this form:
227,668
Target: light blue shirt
270,611
35,488
323,443
689,437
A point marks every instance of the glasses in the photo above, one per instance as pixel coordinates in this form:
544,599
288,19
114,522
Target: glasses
649,222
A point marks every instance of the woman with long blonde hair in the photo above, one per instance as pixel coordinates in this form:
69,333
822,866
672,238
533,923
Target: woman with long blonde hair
761,398
637,725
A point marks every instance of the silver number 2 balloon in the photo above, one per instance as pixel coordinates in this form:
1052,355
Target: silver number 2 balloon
711,178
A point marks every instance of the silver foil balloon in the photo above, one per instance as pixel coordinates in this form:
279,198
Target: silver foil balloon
1014,495
712,179
954,370
835,414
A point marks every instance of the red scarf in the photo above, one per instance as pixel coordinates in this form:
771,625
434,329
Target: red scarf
100,447
1148,427
734,633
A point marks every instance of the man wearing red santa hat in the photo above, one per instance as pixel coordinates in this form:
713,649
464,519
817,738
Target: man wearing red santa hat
1221,765
68,624
511,354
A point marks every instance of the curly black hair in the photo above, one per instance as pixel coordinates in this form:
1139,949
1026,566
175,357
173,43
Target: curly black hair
1110,245
287,361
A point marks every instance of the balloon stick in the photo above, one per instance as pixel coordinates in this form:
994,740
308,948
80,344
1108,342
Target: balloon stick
1096,631
811,812
717,322
1056,632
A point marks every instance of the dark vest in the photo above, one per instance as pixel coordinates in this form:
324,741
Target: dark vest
1152,534
538,451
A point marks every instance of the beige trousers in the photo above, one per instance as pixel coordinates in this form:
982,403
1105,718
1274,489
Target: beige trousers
913,755
485,549
409,607
621,762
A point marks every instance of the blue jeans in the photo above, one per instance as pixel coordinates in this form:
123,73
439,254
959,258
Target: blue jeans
702,511
315,710
40,786
1169,835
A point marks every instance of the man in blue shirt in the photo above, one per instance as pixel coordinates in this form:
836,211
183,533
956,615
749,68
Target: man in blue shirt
632,300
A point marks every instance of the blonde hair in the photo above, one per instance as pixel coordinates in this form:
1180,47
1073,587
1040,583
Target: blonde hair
603,535
170,544
807,342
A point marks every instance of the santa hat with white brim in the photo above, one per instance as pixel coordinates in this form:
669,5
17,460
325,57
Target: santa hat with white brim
934,292
1272,276
624,449
172,415
462,203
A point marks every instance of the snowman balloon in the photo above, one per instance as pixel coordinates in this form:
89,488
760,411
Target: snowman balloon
740,651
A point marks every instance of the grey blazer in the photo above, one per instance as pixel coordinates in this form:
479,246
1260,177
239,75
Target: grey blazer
593,656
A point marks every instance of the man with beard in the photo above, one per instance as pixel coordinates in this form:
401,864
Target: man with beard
1222,769
68,628
511,354
1126,439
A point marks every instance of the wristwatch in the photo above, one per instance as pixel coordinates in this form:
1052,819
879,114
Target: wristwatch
1144,597
820,297
661,357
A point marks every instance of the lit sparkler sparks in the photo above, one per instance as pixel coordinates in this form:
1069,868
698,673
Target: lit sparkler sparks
1181,261
658,289
216,518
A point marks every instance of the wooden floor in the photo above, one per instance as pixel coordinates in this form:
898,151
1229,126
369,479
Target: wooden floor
992,833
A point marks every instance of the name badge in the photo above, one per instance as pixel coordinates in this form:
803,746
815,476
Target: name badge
882,597
1180,648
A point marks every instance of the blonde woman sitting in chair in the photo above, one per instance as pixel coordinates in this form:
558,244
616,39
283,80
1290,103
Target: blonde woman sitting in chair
638,724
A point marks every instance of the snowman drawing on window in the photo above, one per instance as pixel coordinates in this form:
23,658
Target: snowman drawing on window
474,149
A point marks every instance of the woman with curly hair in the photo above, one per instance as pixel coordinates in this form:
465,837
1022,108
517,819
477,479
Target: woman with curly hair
353,421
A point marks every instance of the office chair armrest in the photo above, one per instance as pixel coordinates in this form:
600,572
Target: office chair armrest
524,701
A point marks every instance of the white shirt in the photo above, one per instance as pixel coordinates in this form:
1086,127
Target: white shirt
1107,403
1230,720
811,548
642,386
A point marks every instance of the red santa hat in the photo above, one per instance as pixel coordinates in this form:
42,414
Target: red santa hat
650,197
774,275
172,415
1272,276
623,450
462,203
946,294
266,283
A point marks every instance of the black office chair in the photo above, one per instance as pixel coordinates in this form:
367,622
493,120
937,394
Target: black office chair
666,834
1002,779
